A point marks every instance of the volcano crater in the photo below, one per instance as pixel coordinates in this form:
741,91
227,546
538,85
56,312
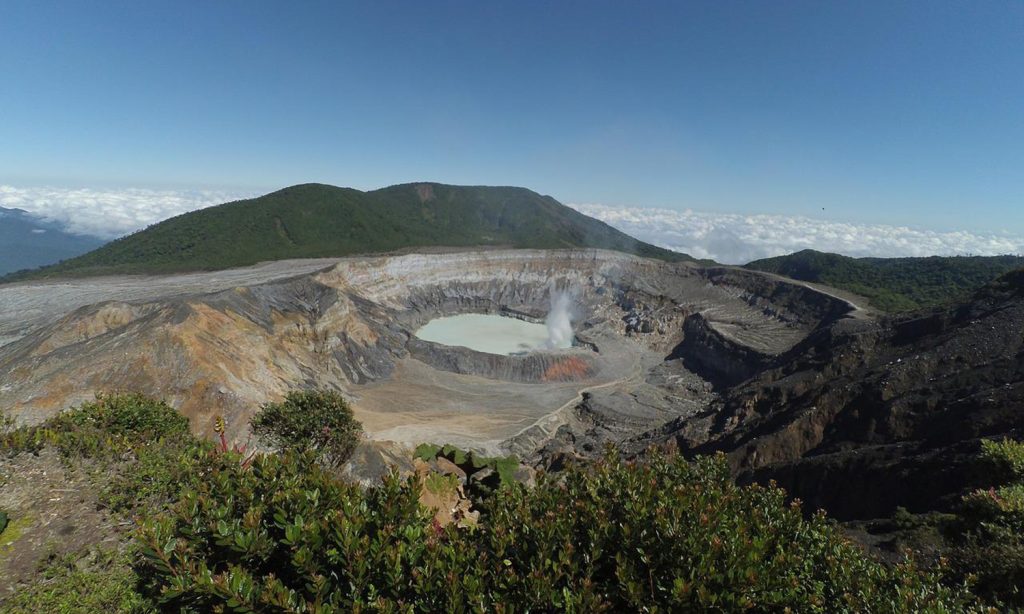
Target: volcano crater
649,342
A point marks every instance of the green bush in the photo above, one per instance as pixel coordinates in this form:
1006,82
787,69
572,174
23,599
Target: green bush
426,451
664,535
989,532
1006,457
15,440
455,454
107,428
154,474
318,421
115,424
4,521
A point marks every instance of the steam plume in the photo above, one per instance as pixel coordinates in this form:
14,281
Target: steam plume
559,320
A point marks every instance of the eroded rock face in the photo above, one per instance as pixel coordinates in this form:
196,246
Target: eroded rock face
644,326
861,417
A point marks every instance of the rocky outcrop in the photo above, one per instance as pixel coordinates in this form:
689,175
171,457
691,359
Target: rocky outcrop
861,417
718,358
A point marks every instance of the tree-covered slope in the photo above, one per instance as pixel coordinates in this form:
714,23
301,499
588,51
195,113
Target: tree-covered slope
894,284
315,220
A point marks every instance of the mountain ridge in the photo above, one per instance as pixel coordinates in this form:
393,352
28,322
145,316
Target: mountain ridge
317,220
894,284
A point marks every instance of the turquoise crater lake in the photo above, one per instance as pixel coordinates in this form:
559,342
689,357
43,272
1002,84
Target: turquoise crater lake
489,333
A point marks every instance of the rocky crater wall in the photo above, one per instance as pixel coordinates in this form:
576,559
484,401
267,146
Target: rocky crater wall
352,325
534,367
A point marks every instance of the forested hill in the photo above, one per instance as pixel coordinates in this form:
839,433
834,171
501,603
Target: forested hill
316,220
894,284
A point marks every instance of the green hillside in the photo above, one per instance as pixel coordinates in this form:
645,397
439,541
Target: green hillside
894,284
315,220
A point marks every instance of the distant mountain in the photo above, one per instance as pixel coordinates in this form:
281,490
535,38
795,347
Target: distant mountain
28,241
316,220
894,284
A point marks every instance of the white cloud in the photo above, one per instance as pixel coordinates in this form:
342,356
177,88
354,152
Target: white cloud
110,213
737,239
728,238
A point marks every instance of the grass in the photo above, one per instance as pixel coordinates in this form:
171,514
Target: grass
14,530
95,581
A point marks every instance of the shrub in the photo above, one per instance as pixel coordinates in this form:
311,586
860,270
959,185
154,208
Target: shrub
319,422
1006,457
426,451
284,535
15,440
989,531
665,535
154,475
114,424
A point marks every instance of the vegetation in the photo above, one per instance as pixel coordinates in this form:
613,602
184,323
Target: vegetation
894,284
315,220
138,453
989,531
665,535
114,424
470,462
217,530
105,584
319,422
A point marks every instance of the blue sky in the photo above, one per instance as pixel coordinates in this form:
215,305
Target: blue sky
867,112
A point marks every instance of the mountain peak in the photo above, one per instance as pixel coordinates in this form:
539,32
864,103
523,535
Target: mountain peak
315,220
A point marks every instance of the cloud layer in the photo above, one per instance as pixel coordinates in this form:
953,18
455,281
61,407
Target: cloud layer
728,238
110,213
738,239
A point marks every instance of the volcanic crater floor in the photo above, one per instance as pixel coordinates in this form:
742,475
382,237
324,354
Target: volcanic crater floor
657,339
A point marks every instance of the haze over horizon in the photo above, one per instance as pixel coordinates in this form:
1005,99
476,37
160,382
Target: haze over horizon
728,130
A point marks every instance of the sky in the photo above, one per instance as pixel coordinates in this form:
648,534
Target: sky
906,116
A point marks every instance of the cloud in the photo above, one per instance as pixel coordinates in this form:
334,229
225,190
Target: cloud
728,238
110,213
738,239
